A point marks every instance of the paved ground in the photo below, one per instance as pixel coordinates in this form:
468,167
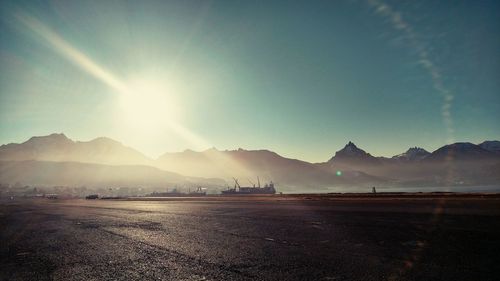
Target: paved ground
251,239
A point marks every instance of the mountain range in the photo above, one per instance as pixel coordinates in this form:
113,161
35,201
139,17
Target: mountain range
58,160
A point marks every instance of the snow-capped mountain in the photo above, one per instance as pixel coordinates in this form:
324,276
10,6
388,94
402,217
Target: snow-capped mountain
412,154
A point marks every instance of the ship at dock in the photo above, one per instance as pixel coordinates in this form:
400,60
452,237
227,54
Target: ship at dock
176,193
268,188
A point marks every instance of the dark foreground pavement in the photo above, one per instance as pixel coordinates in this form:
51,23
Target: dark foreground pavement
251,239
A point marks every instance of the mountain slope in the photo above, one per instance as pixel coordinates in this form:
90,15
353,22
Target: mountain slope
493,146
52,159
57,147
458,163
48,173
461,151
247,165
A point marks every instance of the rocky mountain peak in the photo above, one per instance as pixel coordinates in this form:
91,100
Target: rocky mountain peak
351,153
413,153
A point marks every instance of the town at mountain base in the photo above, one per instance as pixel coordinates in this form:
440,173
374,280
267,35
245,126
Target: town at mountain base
57,160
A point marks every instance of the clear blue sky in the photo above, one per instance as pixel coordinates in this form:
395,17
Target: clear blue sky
301,78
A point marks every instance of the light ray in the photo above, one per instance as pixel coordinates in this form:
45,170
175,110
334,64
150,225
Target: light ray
71,53
88,65
197,141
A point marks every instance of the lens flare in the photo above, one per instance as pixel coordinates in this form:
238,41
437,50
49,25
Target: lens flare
146,104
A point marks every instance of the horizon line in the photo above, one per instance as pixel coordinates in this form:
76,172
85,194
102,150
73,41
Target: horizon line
233,149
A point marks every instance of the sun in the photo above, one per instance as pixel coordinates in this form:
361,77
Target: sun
148,105
148,111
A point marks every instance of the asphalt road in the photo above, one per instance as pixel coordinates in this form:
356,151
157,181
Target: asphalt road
251,239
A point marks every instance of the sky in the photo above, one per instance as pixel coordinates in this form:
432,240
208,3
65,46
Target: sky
301,78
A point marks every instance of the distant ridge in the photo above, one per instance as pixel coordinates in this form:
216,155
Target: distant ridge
412,154
58,147
249,164
461,151
493,146
350,166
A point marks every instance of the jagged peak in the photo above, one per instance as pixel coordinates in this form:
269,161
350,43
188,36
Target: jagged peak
350,147
416,149
413,153
350,144
351,152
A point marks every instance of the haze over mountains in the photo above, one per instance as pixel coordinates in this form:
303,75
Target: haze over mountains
57,147
58,160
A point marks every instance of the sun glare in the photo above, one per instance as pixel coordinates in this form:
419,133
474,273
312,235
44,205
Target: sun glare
148,105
